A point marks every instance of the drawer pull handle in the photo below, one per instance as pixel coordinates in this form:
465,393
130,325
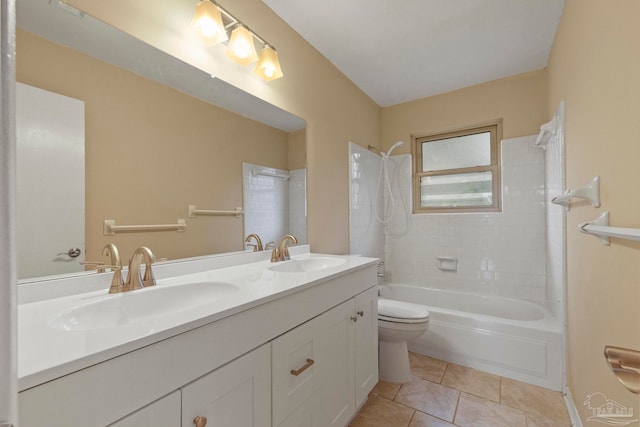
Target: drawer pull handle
306,366
200,421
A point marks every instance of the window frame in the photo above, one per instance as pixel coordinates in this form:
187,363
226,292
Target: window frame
495,129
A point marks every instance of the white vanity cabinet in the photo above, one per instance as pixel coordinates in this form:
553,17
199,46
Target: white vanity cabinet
234,370
324,369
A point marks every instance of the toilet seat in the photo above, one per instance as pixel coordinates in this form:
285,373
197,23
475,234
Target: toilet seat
401,312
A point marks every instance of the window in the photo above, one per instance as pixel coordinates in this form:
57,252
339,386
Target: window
458,171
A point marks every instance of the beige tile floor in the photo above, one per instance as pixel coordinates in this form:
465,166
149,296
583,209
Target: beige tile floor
443,394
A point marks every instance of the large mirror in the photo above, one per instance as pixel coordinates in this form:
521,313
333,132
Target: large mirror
157,136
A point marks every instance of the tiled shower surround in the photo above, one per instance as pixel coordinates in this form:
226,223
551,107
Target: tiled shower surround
366,234
498,253
274,206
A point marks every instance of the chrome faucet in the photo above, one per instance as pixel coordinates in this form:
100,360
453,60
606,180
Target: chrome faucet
135,280
258,245
281,253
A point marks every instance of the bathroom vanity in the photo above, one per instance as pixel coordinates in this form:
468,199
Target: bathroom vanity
257,343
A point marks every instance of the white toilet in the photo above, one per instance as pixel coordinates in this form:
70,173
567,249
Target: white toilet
398,322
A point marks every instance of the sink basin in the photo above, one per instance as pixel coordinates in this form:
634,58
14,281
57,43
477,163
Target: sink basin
306,265
135,306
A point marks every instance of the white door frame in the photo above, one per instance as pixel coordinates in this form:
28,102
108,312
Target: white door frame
8,286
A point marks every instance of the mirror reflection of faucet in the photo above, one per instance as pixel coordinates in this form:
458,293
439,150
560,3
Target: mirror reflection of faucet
257,247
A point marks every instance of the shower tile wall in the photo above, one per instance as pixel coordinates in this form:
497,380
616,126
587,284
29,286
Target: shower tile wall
269,203
366,236
498,253
298,204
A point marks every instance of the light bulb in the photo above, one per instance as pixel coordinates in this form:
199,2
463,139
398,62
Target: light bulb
268,66
208,27
207,24
269,71
241,48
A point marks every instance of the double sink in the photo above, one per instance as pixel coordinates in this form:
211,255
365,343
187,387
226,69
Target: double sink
122,309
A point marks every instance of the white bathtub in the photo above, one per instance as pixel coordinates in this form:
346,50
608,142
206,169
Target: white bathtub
512,338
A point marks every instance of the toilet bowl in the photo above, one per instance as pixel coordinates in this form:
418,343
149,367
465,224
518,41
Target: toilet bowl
398,322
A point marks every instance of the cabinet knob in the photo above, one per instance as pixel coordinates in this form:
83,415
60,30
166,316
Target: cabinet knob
361,313
200,421
354,318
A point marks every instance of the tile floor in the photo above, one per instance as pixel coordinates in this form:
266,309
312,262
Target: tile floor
443,394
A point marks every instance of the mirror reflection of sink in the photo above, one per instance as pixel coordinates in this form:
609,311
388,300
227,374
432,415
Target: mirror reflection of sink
135,306
306,265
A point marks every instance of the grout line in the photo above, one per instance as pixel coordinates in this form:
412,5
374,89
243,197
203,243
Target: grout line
412,415
397,392
446,367
455,412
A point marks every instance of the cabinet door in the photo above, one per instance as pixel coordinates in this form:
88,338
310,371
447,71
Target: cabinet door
366,344
161,413
335,330
305,416
235,395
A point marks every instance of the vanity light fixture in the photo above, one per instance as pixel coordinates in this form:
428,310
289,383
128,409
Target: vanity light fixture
268,66
207,24
241,47
210,24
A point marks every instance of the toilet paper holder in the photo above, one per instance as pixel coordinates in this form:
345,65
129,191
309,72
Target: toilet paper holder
625,364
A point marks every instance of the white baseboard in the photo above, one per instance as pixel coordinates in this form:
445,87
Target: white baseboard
571,408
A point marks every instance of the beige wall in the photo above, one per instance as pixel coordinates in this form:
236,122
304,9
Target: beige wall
521,101
297,149
151,151
336,111
595,67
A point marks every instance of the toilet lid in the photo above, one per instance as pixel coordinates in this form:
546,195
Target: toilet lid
399,311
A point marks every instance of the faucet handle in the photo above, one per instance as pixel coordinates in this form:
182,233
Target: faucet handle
100,267
117,282
275,255
148,279
149,258
134,278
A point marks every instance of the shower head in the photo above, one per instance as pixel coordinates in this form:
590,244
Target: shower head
397,144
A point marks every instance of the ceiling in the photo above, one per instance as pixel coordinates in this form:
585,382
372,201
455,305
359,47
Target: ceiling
401,50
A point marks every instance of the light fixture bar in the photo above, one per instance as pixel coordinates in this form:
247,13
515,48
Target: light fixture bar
235,21
241,40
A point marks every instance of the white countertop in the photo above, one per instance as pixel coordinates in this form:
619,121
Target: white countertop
46,352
